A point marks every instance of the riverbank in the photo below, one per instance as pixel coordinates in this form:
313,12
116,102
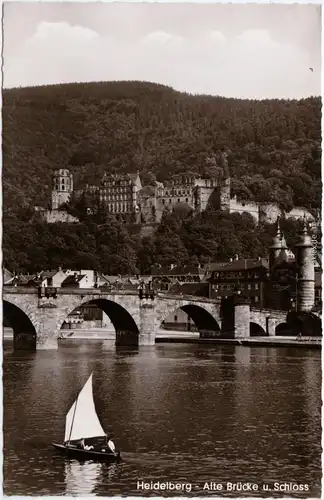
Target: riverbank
172,336
309,342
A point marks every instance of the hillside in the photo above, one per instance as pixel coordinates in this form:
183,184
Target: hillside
274,146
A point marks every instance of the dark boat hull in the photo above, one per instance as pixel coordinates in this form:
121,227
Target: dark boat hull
80,454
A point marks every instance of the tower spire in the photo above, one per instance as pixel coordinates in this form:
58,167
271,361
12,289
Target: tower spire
275,248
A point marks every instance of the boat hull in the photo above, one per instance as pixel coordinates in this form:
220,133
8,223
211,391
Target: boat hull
80,454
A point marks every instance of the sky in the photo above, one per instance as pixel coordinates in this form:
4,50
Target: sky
248,51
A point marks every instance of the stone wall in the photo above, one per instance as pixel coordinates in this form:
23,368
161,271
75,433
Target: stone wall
53,216
252,208
268,319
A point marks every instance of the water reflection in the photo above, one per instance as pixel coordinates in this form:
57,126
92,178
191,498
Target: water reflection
87,478
81,478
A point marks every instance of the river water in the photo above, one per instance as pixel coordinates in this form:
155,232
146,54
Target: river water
180,413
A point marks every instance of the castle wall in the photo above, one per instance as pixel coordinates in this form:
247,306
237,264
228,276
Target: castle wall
269,212
53,216
169,201
147,206
59,198
299,213
240,207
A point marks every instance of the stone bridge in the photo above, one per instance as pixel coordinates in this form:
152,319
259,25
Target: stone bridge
37,317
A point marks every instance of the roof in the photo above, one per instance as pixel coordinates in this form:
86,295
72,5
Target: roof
7,276
47,274
239,265
133,177
198,289
25,279
177,271
72,280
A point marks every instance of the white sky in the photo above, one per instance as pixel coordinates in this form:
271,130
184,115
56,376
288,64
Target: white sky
254,51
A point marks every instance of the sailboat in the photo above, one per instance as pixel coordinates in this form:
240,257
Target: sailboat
82,423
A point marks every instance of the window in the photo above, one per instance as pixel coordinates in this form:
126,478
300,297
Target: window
249,286
178,200
175,318
187,200
163,201
256,286
256,298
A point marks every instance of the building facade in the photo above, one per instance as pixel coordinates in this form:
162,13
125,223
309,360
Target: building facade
245,276
119,193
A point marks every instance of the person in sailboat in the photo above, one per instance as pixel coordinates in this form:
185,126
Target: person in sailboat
85,446
111,445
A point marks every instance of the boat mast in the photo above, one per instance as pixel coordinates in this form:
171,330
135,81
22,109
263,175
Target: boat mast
76,402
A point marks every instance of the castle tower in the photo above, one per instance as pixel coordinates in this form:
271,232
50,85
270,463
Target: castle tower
306,272
225,185
225,194
62,187
275,249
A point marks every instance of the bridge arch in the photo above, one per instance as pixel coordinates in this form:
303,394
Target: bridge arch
256,330
127,331
204,320
24,331
283,329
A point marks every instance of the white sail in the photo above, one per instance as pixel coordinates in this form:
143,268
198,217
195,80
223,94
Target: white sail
82,420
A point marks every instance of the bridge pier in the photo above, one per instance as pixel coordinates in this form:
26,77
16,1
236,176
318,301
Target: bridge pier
241,318
271,324
47,323
147,323
46,343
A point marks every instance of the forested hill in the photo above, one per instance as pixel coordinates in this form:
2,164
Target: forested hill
273,145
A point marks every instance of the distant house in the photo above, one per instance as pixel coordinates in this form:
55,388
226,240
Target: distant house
75,281
52,278
166,276
198,289
247,276
90,277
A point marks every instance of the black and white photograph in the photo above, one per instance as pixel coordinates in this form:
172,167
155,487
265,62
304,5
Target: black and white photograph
161,249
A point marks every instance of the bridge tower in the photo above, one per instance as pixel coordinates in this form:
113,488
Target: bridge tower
306,272
278,243
62,187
